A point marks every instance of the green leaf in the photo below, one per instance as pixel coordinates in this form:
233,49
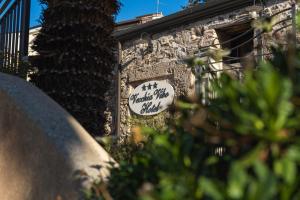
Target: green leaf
289,171
185,106
293,153
237,181
210,188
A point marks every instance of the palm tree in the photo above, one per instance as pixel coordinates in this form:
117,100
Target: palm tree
75,56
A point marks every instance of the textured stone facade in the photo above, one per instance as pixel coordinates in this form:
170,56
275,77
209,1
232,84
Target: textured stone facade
160,56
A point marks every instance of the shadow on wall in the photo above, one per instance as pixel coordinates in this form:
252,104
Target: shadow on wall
42,146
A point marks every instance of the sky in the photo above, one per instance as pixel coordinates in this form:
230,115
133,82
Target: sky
129,9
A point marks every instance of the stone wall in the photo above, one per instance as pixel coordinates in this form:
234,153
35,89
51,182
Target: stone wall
161,56
278,33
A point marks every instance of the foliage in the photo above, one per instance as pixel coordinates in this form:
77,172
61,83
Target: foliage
158,121
120,150
75,59
254,121
123,149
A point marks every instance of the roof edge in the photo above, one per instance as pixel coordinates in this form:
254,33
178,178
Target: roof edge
190,15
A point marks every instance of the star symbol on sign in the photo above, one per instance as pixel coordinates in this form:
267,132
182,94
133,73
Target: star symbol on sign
144,87
149,86
155,85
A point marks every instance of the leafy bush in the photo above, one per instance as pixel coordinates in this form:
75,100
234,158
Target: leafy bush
255,122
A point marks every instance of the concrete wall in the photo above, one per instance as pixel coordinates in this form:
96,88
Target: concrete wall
42,146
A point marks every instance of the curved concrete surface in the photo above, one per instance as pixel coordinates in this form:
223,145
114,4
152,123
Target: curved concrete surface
41,146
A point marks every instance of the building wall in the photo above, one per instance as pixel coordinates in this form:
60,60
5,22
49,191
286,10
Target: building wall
161,57
32,35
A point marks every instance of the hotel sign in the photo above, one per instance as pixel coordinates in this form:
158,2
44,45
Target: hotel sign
151,97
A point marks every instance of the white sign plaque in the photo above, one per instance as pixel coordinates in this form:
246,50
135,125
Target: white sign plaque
151,97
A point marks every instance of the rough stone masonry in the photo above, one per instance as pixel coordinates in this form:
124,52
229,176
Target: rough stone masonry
157,50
